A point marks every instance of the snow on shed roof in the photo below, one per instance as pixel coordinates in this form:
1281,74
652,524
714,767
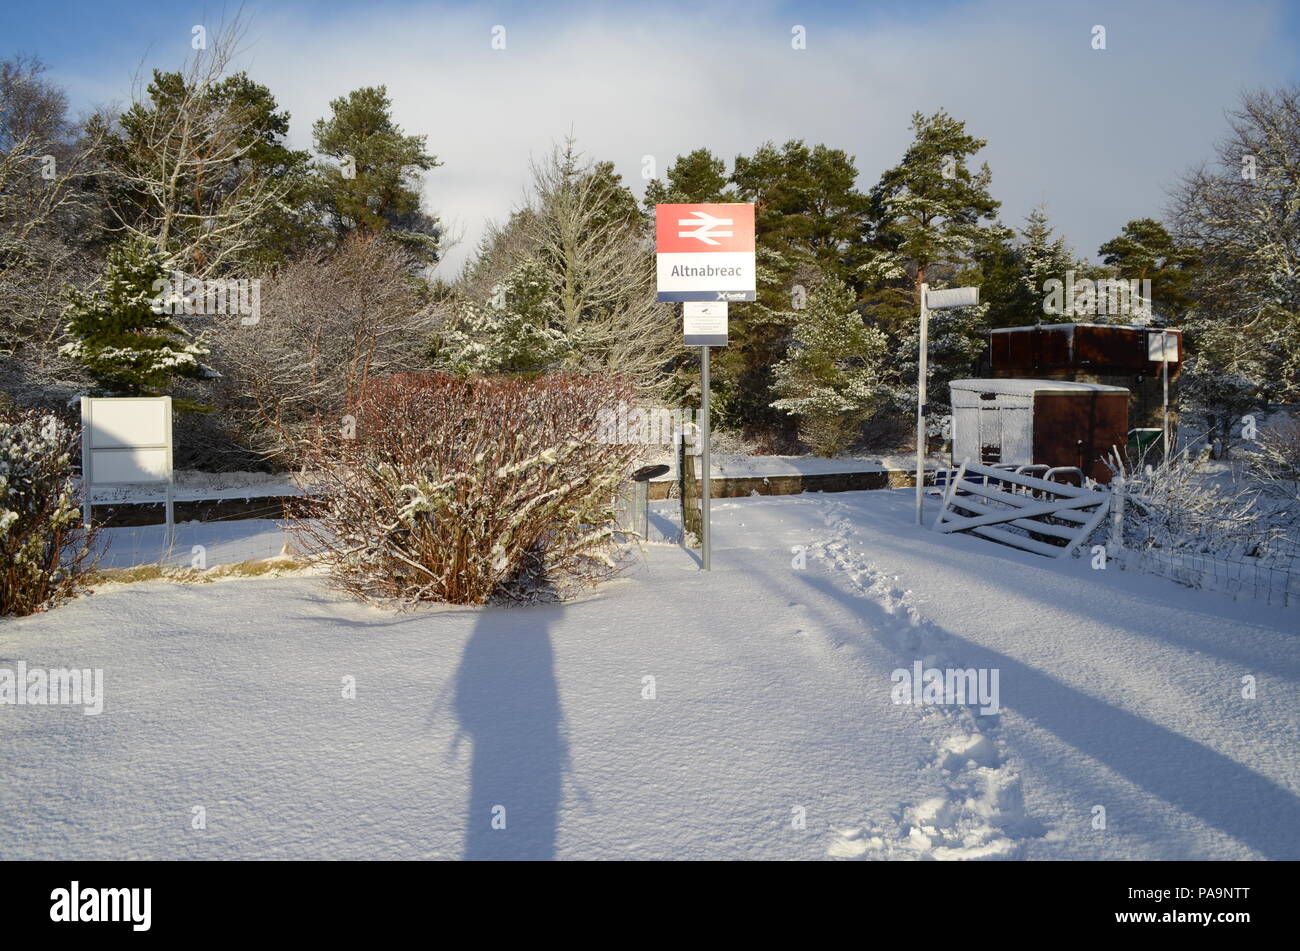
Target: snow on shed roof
1030,387
1071,326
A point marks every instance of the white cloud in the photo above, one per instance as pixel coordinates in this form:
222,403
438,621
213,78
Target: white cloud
1099,135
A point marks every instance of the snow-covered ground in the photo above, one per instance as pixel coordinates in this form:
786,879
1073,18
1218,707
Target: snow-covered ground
771,705
731,465
192,485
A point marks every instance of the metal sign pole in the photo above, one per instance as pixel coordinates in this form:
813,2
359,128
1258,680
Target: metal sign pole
1165,340
939,300
705,549
920,406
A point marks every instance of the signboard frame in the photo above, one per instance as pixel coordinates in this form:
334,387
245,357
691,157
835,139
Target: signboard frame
101,445
705,236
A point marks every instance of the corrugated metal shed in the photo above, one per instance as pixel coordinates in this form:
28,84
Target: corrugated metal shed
1039,422
1110,354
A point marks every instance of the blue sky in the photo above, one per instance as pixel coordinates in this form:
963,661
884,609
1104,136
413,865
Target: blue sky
1098,135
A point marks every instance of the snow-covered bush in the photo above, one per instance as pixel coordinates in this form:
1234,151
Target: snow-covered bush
832,378
1175,507
329,323
1273,461
466,489
44,551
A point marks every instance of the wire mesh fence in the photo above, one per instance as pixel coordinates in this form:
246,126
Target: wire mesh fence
1238,545
1272,582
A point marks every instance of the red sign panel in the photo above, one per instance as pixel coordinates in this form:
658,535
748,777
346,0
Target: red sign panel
704,227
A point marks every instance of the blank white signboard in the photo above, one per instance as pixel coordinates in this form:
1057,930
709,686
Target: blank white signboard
1162,348
126,422
126,441
129,466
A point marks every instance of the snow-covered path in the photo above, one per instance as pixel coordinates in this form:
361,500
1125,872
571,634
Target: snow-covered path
771,703
1120,690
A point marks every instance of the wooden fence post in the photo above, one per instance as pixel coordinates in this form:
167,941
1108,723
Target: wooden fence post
692,522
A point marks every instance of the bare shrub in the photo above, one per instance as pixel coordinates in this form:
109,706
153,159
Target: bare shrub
465,489
44,551
328,324
1174,507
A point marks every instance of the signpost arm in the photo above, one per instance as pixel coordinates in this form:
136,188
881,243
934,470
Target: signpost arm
705,494
920,406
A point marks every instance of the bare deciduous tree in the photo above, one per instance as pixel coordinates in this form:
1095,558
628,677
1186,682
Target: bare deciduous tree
183,165
328,324
598,262
46,165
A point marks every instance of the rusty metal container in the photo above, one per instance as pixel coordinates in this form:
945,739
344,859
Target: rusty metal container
1108,354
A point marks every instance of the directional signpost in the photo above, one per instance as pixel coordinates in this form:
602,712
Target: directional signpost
932,300
705,258
1163,347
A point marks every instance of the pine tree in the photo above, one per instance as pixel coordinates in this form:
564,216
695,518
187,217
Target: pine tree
929,213
1145,250
928,208
200,165
116,334
375,187
1043,257
697,177
810,220
834,375
512,333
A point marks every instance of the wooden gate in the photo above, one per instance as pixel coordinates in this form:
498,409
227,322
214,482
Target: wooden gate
1032,514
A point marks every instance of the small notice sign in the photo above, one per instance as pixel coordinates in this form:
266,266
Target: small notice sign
1162,347
704,323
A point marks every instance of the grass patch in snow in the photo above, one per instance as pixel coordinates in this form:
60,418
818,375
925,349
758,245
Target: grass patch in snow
254,568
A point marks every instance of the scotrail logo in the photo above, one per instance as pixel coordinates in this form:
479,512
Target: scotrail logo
38,686
103,904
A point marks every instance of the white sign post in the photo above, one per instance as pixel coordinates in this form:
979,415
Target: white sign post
932,300
126,441
1163,347
704,257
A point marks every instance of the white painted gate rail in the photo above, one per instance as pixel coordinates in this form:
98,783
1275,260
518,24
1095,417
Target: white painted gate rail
1000,501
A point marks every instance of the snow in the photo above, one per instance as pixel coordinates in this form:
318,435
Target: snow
772,694
1008,387
741,466
193,486
223,542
